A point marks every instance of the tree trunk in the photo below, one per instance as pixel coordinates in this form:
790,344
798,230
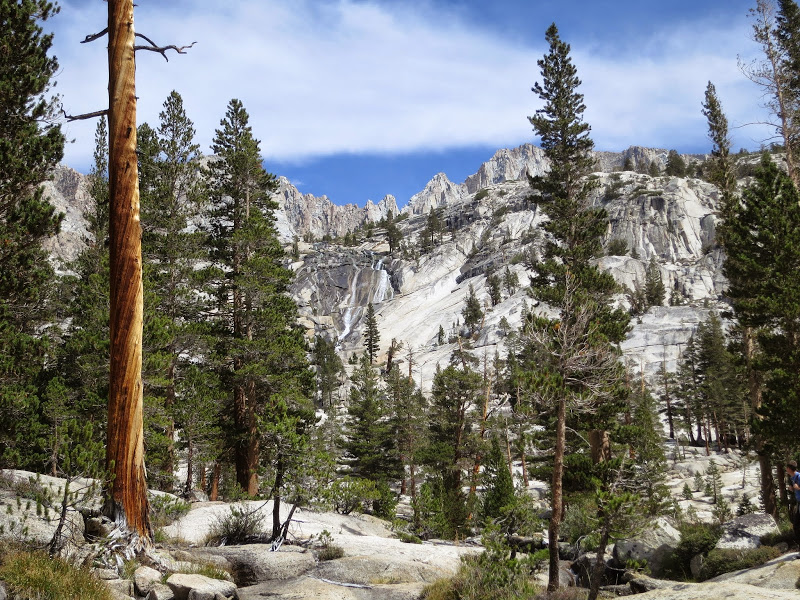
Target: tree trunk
276,498
189,468
214,495
169,407
126,501
599,570
557,504
600,445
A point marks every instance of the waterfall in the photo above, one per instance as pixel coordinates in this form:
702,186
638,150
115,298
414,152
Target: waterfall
347,317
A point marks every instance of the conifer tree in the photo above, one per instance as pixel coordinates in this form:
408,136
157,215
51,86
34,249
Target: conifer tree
31,144
676,166
172,196
493,281
456,392
472,311
83,363
587,329
370,444
372,335
721,172
498,483
762,241
654,289
329,369
259,350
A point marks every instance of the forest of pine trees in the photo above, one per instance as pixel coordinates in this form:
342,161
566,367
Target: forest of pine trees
235,392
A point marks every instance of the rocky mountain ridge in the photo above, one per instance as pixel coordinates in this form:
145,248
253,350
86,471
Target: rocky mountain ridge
491,224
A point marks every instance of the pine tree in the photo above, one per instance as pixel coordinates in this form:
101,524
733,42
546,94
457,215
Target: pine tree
456,392
676,166
31,144
83,362
653,169
472,311
372,335
720,389
587,329
370,444
409,413
259,350
721,172
761,241
654,289
329,369
172,195
493,281
498,483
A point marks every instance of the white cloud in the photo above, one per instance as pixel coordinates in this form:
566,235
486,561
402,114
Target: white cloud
343,76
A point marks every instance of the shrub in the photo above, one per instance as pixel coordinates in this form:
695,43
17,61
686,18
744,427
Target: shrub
328,550
617,247
36,575
384,505
491,574
165,510
408,538
481,194
696,538
236,527
353,493
725,561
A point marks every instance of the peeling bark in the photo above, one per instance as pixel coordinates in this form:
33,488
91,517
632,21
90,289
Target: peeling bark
126,501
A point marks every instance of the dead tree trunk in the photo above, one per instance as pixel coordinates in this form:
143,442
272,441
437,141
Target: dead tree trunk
126,500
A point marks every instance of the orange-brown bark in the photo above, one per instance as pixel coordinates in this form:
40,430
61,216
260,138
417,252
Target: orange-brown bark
127,498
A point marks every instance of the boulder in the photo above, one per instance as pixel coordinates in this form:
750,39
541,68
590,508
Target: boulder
706,591
122,587
198,587
159,591
640,584
144,578
255,563
652,545
377,569
311,587
746,531
696,565
584,569
781,573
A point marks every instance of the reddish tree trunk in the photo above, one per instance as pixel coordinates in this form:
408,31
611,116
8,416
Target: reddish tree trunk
126,501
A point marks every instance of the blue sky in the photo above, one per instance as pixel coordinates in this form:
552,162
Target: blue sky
356,99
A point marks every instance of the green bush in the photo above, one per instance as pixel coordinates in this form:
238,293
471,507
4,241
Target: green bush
408,538
725,561
696,538
328,550
492,574
236,527
36,575
353,493
481,194
385,505
165,510
617,247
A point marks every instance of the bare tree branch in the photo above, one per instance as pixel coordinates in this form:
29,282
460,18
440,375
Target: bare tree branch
85,116
94,36
162,50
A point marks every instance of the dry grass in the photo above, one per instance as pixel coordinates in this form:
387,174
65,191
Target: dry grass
36,575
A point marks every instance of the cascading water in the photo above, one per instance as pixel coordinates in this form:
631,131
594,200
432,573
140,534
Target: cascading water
347,317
